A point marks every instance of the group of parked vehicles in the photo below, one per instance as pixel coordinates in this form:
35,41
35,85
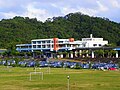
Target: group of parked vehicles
60,64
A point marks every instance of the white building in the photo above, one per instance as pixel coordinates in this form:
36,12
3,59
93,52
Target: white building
93,42
24,47
55,44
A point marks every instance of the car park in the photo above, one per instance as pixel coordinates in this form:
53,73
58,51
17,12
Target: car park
61,64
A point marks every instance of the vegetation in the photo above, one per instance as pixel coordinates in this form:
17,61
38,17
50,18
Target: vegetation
22,30
80,79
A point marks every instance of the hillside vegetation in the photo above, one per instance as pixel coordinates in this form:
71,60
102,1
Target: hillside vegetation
21,30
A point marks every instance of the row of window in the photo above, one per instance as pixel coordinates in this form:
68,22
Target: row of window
97,45
39,42
24,47
51,46
43,42
48,46
42,46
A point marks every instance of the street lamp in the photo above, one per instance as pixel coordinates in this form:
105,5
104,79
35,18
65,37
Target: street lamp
68,78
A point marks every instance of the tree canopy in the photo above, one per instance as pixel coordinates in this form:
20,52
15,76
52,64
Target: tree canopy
20,30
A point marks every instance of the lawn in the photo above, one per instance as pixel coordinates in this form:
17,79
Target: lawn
18,78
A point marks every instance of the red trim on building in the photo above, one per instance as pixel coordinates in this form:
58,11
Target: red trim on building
55,40
71,39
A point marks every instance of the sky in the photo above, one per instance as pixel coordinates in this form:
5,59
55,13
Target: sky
44,9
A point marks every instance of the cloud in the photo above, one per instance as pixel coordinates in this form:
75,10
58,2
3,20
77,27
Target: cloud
102,7
115,3
43,9
8,14
88,11
33,12
3,3
85,9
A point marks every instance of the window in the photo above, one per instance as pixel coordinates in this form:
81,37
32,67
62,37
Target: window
68,45
39,46
43,41
34,46
48,46
39,42
60,41
34,42
43,46
30,46
94,45
100,45
84,45
48,41
52,46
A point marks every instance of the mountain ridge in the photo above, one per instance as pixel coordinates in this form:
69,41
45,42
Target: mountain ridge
20,30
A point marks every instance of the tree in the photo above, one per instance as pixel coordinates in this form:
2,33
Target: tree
22,30
99,53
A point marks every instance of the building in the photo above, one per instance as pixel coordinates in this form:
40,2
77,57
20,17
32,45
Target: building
93,42
24,47
57,45
3,50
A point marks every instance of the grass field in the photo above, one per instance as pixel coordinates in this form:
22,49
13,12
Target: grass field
17,78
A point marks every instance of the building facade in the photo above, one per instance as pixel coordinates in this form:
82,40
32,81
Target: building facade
56,44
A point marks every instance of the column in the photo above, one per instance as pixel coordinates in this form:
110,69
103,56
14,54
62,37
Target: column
80,52
87,54
71,55
51,55
92,54
61,55
76,54
68,55
116,54
58,56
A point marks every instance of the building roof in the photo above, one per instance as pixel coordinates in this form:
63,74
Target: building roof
24,45
117,48
2,50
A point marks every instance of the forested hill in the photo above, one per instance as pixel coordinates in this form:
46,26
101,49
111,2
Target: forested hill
22,30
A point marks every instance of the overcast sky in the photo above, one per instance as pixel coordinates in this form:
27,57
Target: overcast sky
43,9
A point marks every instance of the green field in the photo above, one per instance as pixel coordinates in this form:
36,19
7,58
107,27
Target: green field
17,78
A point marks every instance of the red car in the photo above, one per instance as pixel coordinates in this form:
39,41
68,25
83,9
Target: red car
112,68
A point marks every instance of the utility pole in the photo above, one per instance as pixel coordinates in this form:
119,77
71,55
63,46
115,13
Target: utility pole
68,78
